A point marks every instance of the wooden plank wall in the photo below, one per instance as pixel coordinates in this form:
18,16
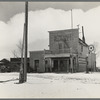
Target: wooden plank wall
82,64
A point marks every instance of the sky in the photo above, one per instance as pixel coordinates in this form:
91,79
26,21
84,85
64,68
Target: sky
44,17
9,9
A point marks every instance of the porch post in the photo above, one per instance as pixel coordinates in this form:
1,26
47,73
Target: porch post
50,64
58,65
71,63
77,64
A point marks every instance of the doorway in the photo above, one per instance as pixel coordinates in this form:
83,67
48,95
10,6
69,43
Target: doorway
55,66
36,63
61,65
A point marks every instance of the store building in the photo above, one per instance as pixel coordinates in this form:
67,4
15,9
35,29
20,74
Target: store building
67,53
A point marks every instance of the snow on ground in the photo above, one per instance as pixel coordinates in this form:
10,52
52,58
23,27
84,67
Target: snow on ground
51,85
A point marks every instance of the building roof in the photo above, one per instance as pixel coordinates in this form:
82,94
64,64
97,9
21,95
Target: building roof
17,60
37,51
57,55
4,61
63,30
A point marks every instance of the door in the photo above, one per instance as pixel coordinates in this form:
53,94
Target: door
55,66
36,64
63,65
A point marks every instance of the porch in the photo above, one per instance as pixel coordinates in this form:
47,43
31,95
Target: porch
61,63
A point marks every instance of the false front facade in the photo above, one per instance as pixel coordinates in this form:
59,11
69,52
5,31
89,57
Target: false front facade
67,53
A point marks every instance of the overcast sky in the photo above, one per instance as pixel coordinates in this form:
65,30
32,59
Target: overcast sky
9,9
43,17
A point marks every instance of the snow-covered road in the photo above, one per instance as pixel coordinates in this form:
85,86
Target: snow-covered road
50,85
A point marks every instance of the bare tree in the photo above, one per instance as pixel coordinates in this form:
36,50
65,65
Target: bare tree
18,51
15,54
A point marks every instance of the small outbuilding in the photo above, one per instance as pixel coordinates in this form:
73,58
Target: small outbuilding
4,65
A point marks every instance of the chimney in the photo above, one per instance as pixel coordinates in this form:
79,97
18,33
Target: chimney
83,38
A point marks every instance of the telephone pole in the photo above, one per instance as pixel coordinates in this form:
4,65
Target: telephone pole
21,75
71,19
26,41
23,66
83,37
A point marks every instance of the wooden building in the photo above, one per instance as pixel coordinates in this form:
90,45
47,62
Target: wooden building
67,53
4,65
16,62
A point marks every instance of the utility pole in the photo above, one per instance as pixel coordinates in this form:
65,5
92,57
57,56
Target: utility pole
71,19
78,26
83,37
21,76
26,41
71,56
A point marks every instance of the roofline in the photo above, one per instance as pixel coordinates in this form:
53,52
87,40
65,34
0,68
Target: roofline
62,30
37,51
83,42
